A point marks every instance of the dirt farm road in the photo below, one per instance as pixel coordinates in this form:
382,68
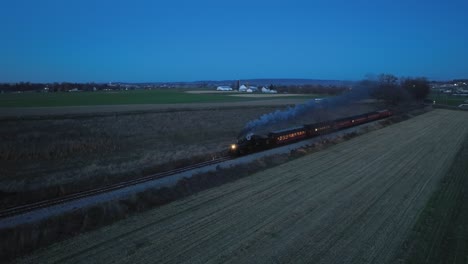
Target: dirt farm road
351,203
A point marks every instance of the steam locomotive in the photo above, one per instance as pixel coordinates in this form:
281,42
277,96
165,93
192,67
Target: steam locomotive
253,142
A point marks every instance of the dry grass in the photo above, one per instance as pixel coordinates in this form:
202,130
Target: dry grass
38,154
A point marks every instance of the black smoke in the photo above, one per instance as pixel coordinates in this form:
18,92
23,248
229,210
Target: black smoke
311,108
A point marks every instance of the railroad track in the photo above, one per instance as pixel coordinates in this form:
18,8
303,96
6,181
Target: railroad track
75,196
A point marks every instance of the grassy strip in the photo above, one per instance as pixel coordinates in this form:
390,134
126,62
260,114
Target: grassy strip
27,238
440,234
450,107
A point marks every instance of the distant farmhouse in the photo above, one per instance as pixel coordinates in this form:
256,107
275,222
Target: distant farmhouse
252,89
248,89
245,88
266,90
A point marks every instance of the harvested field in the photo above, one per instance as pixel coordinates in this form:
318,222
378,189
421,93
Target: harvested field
352,203
441,233
7,112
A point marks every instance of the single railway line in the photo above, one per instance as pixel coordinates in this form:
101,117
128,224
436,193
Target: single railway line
75,196
18,210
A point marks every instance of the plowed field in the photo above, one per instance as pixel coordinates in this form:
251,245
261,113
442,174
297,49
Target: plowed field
351,203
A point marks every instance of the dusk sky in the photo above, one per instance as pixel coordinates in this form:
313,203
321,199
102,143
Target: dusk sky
145,41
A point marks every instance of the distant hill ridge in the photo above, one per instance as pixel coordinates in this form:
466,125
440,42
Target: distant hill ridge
266,82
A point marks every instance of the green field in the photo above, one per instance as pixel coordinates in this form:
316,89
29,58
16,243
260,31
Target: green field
166,96
446,99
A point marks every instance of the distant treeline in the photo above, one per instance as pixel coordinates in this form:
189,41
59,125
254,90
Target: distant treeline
393,90
460,81
309,89
67,86
52,87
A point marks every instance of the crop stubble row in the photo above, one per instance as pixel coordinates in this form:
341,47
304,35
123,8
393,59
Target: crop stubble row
353,202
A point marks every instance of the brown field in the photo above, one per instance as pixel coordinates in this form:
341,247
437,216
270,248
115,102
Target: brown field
116,109
38,153
354,202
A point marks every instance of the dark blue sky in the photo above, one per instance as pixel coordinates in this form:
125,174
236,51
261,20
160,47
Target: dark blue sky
144,40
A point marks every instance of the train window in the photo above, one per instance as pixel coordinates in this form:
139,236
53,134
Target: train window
291,135
322,128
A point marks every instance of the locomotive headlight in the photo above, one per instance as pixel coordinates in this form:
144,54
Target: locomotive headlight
233,147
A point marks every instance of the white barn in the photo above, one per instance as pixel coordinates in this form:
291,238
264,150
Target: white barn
243,88
266,90
248,89
224,88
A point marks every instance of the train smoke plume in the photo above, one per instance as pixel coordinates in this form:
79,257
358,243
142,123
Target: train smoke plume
279,116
